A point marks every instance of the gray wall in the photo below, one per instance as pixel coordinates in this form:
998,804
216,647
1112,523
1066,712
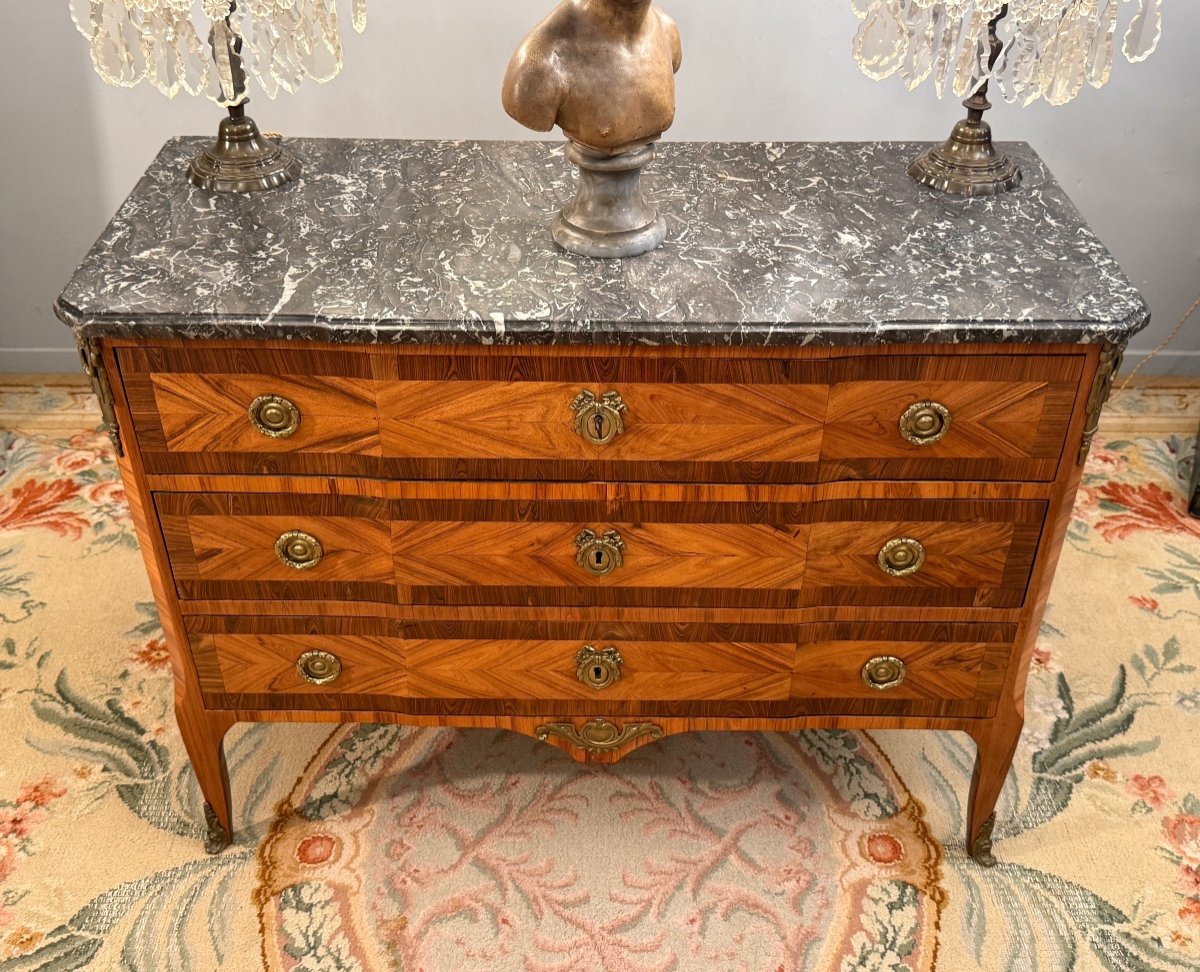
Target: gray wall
760,69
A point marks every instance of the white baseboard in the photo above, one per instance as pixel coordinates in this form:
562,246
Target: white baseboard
44,361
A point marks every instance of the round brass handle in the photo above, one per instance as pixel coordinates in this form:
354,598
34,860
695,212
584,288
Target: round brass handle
599,420
598,669
925,423
884,672
901,557
319,667
298,550
274,417
599,554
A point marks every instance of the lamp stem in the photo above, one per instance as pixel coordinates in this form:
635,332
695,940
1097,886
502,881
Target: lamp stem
978,103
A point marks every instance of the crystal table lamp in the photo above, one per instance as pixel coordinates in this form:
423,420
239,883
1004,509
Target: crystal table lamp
276,42
1029,48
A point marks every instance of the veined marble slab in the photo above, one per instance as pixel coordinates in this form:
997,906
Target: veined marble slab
449,242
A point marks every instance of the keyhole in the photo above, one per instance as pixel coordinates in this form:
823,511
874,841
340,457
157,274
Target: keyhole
598,424
598,673
599,558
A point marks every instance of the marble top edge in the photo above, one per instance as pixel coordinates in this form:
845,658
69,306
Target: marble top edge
446,241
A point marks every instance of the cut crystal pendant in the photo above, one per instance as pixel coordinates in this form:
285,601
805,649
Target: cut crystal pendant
1100,59
1051,47
1144,31
881,41
282,42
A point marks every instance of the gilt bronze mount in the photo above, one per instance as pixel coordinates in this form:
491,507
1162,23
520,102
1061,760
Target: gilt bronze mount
599,735
967,163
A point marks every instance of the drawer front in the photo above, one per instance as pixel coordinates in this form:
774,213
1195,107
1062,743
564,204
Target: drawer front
497,669
621,552
361,662
627,418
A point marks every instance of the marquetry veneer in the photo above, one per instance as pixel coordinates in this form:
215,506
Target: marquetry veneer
443,502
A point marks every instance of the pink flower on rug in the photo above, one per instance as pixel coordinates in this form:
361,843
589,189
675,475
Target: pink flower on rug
1145,602
1191,911
1189,878
107,493
42,793
1151,790
74,461
316,850
14,822
1147,507
1183,833
1043,660
153,654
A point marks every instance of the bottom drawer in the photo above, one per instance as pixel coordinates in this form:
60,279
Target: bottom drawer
787,669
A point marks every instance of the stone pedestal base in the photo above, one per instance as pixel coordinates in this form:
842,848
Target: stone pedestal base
609,216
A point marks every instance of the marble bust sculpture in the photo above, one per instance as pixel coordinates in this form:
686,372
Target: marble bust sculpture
604,72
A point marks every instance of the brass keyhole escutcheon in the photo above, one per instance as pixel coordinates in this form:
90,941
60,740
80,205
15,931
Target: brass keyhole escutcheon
274,416
319,667
598,669
884,672
298,550
925,423
901,557
599,420
599,554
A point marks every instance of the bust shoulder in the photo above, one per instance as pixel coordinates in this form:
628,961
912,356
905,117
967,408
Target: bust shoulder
535,84
671,30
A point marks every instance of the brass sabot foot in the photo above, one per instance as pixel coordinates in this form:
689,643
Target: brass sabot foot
242,160
981,847
967,164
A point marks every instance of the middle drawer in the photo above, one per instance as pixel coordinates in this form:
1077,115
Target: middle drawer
503,548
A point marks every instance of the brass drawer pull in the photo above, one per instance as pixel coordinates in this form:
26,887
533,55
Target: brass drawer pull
598,669
901,557
319,667
884,673
599,420
600,555
274,417
298,550
925,423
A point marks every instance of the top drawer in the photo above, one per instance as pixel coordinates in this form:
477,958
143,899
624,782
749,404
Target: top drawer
502,415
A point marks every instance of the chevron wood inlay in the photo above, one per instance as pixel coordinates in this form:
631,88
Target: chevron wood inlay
543,555
210,413
267,663
243,548
546,669
989,419
833,669
971,554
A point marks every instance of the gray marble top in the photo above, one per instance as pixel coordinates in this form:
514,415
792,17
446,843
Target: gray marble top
803,243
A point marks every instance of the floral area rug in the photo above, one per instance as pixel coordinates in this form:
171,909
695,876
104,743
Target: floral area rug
384,849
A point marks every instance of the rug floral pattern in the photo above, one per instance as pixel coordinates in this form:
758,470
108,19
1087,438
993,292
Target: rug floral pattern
378,849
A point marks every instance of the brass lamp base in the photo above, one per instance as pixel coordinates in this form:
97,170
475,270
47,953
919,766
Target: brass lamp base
967,164
242,160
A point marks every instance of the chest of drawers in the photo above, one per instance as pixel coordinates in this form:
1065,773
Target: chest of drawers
393,457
